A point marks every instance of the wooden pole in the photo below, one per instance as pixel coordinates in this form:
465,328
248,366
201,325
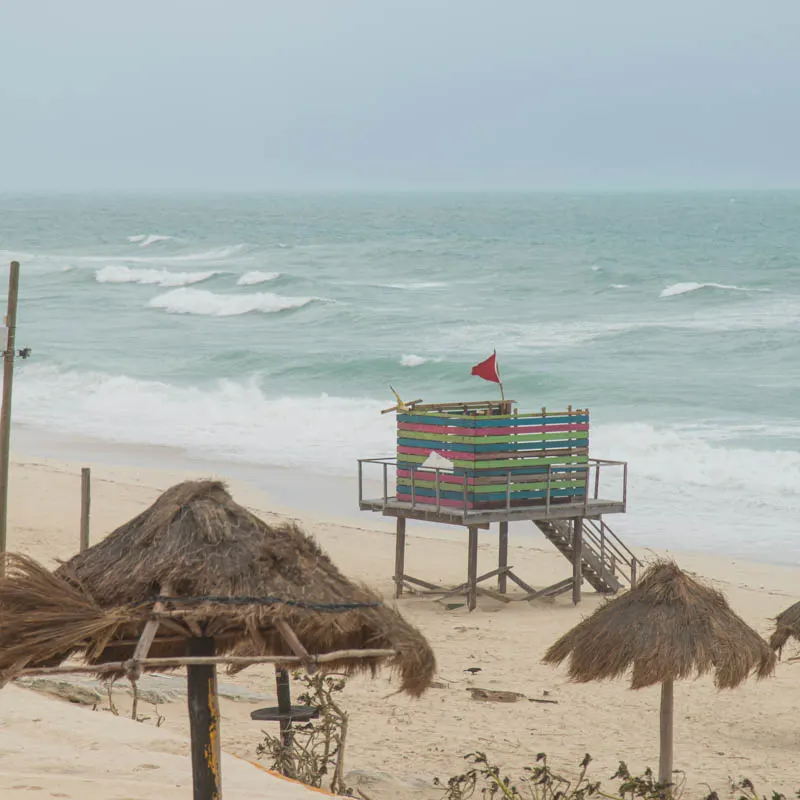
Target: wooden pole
577,559
187,661
285,722
5,410
472,569
400,556
201,682
86,506
502,560
665,763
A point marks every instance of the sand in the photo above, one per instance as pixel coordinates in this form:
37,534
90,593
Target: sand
396,746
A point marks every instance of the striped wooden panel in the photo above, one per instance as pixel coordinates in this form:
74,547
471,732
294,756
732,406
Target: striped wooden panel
519,476
455,499
496,459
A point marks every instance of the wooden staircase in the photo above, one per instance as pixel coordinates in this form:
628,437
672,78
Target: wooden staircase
607,564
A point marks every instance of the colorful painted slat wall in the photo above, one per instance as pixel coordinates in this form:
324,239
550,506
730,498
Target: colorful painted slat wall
497,460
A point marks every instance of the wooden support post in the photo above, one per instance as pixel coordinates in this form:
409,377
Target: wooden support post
5,410
291,638
577,559
502,560
201,684
400,556
285,721
86,506
665,762
472,569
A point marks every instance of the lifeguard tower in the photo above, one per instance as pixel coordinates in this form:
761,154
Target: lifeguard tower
479,463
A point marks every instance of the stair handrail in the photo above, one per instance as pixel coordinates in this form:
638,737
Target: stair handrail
616,545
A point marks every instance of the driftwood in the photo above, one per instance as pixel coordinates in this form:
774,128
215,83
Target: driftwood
494,696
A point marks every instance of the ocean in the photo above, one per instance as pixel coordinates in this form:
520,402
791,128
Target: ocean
265,330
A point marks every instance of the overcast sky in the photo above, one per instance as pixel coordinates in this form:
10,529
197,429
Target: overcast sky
428,94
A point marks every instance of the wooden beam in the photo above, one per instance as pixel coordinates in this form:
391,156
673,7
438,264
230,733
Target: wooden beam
86,505
203,701
502,557
290,637
577,559
472,569
146,639
184,661
5,410
399,556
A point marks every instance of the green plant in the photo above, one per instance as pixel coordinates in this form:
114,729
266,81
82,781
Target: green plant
316,754
541,782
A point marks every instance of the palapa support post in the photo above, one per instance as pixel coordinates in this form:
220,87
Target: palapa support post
665,761
502,558
577,559
472,569
284,693
5,411
201,684
86,506
400,557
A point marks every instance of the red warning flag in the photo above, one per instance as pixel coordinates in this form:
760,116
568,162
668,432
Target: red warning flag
488,369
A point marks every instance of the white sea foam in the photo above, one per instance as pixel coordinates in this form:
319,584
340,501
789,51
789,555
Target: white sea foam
251,278
620,286
690,286
411,360
414,286
157,277
143,239
208,304
223,419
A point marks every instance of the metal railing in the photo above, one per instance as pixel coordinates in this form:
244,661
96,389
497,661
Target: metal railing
611,550
594,464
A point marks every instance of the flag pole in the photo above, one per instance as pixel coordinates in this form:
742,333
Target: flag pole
497,372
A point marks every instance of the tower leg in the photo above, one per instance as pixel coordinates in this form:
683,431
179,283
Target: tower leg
400,557
472,569
201,680
502,558
577,559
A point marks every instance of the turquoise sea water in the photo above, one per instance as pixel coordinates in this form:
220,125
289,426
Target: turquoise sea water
266,329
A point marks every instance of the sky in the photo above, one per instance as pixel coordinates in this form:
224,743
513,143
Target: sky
266,95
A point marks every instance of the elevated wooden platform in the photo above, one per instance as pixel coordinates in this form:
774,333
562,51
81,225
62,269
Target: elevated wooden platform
574,524
480,518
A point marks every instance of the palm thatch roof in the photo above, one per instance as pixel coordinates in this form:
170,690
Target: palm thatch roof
669,627
787,625
231,576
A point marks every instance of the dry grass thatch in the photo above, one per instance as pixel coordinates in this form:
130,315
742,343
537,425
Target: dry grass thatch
787,625
197,541
669,627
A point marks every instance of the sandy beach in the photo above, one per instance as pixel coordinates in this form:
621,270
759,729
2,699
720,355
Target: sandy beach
397,746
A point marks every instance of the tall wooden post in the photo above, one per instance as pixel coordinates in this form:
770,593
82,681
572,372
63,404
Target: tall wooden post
86,506
577,559
472,569
502,558
204,723
400,557
5,411
665,762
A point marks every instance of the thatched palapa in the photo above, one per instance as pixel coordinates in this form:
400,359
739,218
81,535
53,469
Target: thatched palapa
221,572
670,626
787,626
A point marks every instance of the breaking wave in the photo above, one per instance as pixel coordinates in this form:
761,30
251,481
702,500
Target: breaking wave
251,278
208,304
155,277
